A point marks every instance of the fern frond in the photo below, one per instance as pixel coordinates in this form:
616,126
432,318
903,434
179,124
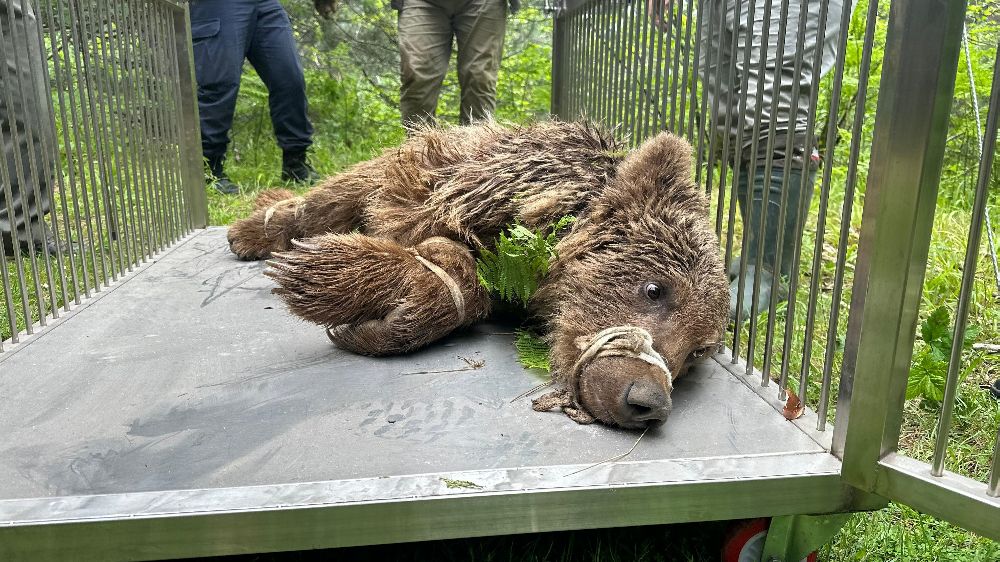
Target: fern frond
521,259
532,351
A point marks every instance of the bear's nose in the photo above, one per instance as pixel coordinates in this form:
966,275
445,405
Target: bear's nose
646,403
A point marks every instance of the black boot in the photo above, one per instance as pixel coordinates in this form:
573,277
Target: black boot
295,167
217,177
799,196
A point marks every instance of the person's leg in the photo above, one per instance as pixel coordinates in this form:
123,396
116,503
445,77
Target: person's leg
274,55
220,30
764,225
425,36
479,29
26,135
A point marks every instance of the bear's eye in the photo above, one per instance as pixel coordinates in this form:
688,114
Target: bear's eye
653,291
703,351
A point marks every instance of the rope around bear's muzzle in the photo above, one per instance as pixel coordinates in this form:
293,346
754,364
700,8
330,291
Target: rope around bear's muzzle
618,341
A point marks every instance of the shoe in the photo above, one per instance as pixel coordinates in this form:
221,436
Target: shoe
295,167
217,178
48,246
768,189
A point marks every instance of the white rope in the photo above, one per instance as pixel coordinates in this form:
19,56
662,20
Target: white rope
298,203
979,148
449,282
622,341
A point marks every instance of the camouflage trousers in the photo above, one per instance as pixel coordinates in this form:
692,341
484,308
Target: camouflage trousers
427,29
26,132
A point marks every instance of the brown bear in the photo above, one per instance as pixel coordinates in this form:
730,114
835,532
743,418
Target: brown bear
383,254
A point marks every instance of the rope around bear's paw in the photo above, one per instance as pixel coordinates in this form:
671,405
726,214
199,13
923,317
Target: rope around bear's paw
449,282
617,341
295,203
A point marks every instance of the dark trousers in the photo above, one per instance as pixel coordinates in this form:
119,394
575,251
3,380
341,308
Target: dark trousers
227,32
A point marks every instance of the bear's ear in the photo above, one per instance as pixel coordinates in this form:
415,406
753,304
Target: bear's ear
656,175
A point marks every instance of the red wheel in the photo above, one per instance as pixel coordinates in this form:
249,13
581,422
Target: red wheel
745,542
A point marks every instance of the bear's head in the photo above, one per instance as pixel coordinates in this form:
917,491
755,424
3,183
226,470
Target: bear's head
637,292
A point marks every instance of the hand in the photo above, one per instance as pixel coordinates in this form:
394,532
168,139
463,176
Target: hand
659,12
326,8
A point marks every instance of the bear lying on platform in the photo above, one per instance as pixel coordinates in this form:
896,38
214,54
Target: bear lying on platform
383,255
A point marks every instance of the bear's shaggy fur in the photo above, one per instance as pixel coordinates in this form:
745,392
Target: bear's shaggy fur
383,254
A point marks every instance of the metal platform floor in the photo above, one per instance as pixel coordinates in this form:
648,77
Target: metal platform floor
184,412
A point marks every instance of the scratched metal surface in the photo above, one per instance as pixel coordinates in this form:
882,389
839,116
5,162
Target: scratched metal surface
191,375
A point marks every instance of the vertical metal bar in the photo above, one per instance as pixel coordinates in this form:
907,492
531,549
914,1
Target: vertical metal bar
968,274
609,27
557,99
993,488
699,88
47,169
138,118
577,66
737,153
8,197
651,116
621,70
643,61
97,81
768,170
686,67
177,138
160,140
16,89
918,78
793,282
664,98
56,177
109,47
62,86
677,23
628,67
174,141
126,177
94,137
89,140
146,101
152,130
846,213
592,46
194,178
716,78
764,42
786,172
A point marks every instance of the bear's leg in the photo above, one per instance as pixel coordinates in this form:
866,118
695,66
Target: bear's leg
336,205
376,297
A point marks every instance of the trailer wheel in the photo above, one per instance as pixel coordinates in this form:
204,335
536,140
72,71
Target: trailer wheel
745,542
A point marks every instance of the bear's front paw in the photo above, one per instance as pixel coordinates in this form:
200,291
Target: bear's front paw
248,240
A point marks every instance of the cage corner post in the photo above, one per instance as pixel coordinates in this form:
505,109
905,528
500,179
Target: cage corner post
192,167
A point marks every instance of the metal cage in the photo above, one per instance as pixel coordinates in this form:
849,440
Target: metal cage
142,422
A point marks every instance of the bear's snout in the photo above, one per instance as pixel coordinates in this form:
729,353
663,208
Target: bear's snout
645,403
625,391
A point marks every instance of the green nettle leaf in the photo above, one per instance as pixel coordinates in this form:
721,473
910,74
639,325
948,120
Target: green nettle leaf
929,371
937,327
